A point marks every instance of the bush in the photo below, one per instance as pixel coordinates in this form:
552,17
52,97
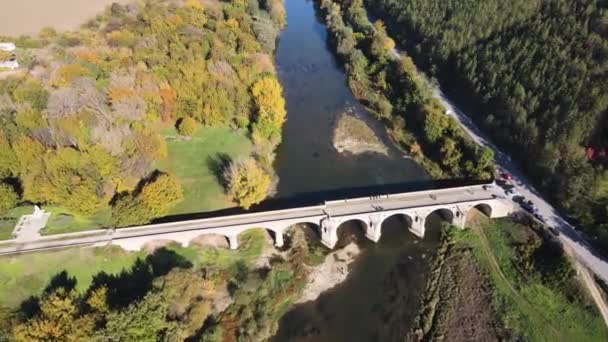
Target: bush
8,198
247,182
130,211
186,126
153,200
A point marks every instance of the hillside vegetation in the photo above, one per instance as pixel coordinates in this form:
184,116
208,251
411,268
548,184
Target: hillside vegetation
534,74
82,127
173,294
392,89
506,280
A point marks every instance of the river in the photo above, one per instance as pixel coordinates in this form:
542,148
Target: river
316,95
379,300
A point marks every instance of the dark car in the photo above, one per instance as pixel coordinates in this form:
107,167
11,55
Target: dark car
527,207
519,199
554,231
506,176
539,217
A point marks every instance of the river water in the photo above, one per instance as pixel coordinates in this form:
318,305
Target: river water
316,94
380,298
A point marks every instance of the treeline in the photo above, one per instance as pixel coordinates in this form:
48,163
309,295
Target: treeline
390,86
534,74
81,128
165,298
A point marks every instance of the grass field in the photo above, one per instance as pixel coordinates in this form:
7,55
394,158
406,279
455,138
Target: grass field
9,220
26,275
65,221
525,303
193,162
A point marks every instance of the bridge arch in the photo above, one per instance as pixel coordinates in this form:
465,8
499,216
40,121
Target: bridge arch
403,217
311,232
270,235
342,230
216,240
445,214
485,208
308,225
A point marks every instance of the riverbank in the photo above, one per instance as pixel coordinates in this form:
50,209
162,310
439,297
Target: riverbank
331,272
505,280
456,304
391,88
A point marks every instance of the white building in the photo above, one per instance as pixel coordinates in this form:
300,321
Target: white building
12,63
9,65
7,47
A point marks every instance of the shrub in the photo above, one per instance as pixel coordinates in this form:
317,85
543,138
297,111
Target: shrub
186,126
8,198
247,182
153,200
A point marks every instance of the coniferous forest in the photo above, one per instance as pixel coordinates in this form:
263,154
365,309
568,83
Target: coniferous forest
533,74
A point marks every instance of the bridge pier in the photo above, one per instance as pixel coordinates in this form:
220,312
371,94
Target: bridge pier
278,239
417,227
460,218
233,240
374,228
329,236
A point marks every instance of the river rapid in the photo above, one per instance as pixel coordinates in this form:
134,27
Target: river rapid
381,295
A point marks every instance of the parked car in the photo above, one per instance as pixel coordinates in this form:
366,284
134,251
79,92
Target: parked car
554,231
509,192
539,217
519,199
506,176
527,207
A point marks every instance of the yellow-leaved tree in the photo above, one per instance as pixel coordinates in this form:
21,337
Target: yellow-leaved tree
247,182
268,98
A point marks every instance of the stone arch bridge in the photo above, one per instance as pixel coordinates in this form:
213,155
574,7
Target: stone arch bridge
452,204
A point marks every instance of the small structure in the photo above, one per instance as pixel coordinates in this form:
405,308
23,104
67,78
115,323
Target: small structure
28,227
9,47
11,63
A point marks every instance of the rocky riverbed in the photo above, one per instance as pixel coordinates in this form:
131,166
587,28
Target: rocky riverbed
333,271
353,135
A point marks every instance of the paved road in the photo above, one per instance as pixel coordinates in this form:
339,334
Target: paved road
523,187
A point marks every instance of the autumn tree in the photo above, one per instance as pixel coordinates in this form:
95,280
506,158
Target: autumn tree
450,155
162,193
186,126
247,182
141,321
153,200
435,123
9,164
58,320
268,98
8,198
32,92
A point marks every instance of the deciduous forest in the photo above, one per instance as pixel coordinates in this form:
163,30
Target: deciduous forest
534,74
82,128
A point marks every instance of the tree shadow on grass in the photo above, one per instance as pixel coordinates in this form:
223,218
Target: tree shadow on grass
217,164
131,285
31,306
123,289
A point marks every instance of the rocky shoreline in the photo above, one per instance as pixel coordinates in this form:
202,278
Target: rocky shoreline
331,272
